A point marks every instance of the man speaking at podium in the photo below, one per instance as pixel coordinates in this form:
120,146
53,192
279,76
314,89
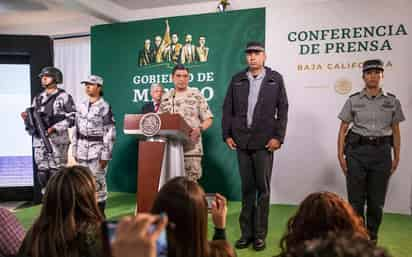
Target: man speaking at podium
192,106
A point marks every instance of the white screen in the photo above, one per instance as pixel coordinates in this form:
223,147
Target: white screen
16,164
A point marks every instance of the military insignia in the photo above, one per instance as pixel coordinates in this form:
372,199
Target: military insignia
150,124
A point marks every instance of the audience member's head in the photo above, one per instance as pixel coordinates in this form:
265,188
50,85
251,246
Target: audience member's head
221,248
319,214
340,245
68,214
185,204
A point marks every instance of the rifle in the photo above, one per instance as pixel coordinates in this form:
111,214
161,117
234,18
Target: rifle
35,126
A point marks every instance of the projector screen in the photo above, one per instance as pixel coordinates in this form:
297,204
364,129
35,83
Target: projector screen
16,161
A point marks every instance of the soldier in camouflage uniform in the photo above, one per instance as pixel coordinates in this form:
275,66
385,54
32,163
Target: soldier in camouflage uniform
57,110
192,106
94,135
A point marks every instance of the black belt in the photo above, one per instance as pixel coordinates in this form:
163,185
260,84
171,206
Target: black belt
90,138
373,140
364,140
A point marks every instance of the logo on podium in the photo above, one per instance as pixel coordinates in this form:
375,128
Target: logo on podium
150,124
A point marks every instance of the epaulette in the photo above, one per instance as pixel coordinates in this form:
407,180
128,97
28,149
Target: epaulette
357,93
390,94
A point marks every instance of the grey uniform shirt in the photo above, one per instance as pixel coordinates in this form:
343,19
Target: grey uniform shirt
254,88
372,116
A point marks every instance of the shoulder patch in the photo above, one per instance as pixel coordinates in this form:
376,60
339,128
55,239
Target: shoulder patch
390,94
357,93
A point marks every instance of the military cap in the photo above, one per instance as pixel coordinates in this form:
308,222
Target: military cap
93,79
254,47
375,64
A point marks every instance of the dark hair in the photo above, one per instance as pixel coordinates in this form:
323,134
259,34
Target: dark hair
101,90
69,207
184,202
319,214
179,67
340,245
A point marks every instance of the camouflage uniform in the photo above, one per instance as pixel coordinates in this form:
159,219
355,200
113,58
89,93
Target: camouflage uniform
64,108
93,139
192,106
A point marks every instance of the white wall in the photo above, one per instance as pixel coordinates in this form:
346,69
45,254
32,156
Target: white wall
72,56
307,161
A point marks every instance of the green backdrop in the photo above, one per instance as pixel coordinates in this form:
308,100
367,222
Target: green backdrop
114,54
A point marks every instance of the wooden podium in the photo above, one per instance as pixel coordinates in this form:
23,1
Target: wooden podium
151,153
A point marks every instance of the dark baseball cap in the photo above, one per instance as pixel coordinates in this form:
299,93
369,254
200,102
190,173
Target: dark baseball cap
374,64
254,46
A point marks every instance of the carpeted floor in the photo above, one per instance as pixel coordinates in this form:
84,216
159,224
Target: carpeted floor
395,234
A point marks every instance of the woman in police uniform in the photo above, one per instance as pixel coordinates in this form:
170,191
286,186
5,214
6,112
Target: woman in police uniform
364,152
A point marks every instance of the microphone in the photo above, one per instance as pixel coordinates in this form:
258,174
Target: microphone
173,100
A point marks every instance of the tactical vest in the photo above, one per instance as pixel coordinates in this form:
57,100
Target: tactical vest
47,115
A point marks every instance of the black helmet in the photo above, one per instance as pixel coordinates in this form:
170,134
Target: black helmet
52,72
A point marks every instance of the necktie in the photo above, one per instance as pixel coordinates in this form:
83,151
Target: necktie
157,105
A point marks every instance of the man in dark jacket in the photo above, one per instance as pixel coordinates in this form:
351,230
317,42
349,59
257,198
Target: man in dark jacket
254,124
156,92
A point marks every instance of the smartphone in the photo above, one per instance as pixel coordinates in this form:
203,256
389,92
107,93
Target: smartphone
109,235
210,198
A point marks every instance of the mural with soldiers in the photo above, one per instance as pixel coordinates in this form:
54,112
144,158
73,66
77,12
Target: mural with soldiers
168,49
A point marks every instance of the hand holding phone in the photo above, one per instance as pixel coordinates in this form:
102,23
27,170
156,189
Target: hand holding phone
219,211
142,235
210,198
